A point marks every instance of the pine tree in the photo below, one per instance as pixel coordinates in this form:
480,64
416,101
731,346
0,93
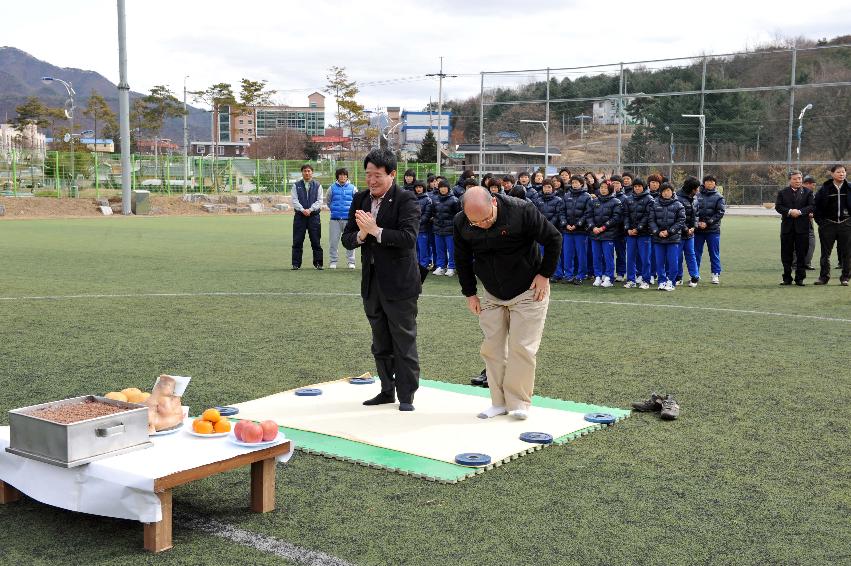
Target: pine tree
428,148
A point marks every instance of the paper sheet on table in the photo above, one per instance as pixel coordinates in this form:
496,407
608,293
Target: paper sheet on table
120,486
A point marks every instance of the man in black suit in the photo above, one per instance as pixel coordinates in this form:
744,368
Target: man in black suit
794,204
384,222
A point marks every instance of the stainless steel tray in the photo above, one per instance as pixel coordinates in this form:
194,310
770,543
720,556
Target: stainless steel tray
74,444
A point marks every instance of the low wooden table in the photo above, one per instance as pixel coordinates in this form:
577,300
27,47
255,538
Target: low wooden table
157,536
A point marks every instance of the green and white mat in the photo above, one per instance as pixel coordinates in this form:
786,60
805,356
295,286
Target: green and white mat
422,443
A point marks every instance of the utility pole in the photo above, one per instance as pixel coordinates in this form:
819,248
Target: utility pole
124,108
440,76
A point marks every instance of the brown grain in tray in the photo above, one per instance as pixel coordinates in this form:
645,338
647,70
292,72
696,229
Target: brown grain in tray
76,412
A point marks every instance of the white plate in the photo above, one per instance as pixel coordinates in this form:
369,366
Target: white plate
277,439
171,430
211,435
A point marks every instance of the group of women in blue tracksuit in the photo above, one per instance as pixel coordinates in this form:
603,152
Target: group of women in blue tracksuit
619,228
658,229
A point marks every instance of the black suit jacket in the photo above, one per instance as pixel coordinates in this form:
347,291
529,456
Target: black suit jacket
394,260
787,200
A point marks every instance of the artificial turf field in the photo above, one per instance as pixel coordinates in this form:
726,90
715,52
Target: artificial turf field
756,470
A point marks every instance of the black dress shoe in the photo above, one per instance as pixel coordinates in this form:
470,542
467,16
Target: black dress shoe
809,268
480,379
800,283
406,406
318,267
380,399
295,267
820,281
785,282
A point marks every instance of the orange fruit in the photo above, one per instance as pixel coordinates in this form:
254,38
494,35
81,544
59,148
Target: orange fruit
222,426
211,415
202,427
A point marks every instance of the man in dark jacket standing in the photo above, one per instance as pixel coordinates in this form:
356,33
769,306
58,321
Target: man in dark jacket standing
497,239
384,222
833,216
794,204
307,204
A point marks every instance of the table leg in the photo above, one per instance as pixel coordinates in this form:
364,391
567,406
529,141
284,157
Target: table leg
158,535
8,494
263,486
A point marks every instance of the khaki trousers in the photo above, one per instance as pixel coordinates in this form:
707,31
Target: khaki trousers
512,330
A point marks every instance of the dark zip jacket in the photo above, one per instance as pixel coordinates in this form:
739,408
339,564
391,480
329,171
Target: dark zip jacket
636,213
667,214
605,212
506,257
710,209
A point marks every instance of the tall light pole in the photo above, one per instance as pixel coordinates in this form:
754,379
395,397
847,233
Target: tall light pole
69,113
801,130
124,108
440,76
702,118
185,138
546,144
670,155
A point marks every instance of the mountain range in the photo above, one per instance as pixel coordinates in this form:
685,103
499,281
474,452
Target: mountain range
20,77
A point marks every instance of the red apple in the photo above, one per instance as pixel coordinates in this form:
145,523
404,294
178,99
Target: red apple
270,430
237,430
251,433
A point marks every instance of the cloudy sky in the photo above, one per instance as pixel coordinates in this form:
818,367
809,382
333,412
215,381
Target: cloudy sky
388,46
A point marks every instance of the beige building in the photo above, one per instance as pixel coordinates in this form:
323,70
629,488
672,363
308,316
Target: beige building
261,121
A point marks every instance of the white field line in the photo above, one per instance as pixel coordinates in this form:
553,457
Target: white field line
425,295
269,545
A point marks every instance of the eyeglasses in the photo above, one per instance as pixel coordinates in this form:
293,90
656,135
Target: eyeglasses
487,220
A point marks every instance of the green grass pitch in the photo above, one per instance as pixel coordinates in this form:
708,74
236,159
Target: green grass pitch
755,471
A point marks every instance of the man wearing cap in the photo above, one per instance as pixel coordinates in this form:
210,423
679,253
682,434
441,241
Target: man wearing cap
794,204
498,239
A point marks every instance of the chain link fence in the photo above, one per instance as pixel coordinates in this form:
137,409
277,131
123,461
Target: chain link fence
91,174
748,118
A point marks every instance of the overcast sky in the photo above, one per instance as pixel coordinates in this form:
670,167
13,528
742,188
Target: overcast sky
291,44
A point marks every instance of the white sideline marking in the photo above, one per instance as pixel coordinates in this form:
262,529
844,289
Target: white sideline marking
428,296
269,545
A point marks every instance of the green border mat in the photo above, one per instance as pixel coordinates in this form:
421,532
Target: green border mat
427,468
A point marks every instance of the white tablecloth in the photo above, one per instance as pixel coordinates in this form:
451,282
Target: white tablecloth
120,486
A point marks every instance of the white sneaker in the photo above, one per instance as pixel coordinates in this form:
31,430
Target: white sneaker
450,272
352,265
618,278
653,280
332,266
606,282
643,285
670,286
439,271
679,282
692,283
597,281
629,285
661,287
716,278
639,280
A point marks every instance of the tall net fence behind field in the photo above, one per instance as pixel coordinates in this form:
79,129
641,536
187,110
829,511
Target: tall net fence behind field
759,115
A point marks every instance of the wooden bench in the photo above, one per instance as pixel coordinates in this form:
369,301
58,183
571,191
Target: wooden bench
157,536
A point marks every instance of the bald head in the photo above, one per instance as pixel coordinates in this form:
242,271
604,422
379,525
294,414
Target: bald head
477,202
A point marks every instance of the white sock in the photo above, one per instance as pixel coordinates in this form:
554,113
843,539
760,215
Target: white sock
491,412
520,414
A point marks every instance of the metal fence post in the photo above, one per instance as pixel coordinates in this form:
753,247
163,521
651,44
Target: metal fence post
791,107
620,117
482,126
